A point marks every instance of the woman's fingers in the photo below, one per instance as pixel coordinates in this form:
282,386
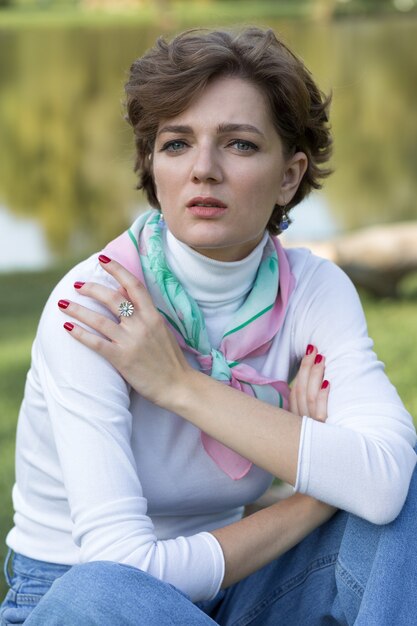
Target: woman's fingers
314,384
99,344
322,400
96,321
111,298
302,380
130,290
309,393
130,285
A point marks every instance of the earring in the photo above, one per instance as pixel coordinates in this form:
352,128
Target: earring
285,222
161,221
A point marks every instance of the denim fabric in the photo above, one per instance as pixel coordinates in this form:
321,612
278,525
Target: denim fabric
28,582
104,593
346,572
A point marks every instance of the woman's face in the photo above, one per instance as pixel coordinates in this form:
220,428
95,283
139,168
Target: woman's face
219,169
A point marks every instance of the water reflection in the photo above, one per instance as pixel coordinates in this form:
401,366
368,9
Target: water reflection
23,243
313,219
66,153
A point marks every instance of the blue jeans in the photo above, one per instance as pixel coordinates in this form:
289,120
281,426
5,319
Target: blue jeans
346,572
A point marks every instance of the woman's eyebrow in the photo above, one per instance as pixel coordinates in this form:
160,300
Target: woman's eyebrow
233,128
182,129
176,129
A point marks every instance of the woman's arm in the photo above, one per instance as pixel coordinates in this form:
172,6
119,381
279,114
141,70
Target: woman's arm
260,538
361,460
267,435
147,355
90,463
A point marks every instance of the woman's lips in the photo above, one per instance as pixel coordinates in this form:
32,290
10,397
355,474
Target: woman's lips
206,211
206,206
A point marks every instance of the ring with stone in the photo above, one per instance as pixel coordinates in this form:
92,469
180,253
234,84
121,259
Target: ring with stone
126,308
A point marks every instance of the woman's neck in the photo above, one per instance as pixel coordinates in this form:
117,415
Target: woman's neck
210,282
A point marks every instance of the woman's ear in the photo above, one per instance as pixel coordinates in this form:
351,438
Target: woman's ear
295,169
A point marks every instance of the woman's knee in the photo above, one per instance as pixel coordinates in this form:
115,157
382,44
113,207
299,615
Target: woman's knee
108,593
90,593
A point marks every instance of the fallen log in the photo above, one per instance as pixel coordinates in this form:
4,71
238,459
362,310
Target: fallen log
375,258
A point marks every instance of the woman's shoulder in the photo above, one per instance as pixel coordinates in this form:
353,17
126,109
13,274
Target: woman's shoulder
320,282
305,264
88,270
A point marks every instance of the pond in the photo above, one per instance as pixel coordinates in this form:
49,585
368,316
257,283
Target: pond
66,153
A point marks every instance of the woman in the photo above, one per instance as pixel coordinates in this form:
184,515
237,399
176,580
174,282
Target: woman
159,412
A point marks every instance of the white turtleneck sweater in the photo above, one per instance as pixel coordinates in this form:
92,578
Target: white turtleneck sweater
219,288
102,474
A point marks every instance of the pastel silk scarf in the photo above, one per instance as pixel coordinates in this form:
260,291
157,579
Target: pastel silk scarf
250,332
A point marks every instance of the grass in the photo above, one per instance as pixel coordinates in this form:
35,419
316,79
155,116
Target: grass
392,324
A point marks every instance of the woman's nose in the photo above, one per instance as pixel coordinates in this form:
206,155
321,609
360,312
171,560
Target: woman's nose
206,165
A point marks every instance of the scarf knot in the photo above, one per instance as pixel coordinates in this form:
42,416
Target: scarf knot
216,364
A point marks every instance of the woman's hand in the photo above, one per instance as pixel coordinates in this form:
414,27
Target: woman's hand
140,347
309,391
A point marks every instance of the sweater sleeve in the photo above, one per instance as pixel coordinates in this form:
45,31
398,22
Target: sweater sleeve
89,407
361,459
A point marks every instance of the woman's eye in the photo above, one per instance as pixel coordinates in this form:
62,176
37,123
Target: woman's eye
244,146
173,146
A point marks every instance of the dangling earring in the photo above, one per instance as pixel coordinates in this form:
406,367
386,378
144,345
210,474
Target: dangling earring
285,222
161,222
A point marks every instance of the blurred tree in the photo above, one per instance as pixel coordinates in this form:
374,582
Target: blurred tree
369,65
374,127
323,10
59,131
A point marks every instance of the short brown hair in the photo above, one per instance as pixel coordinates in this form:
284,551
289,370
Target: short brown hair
167,77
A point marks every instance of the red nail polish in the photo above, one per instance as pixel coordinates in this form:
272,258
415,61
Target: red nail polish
104,259
324,384
68,326
78,284
310,349
63,304
318,359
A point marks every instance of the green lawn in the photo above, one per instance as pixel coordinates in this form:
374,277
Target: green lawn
392,324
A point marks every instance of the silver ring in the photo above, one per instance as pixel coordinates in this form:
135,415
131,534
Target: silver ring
126,308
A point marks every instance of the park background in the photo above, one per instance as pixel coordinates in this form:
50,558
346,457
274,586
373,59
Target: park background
66,153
